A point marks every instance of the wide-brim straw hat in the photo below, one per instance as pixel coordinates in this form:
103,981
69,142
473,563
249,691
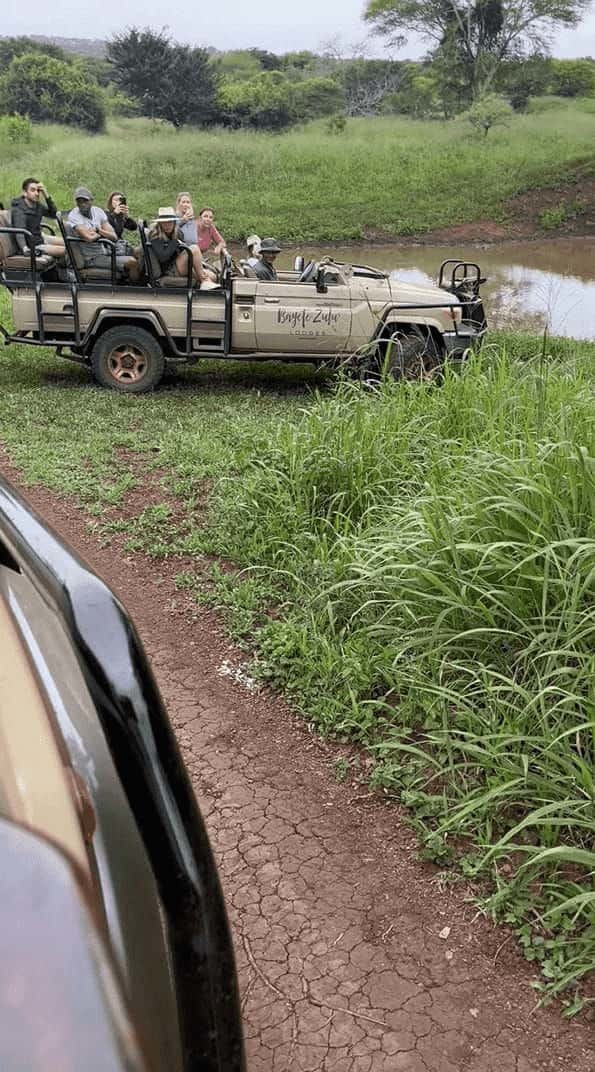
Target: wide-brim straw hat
166,214
253,241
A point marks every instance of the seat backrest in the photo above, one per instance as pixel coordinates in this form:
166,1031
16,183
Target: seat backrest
8,245
74,248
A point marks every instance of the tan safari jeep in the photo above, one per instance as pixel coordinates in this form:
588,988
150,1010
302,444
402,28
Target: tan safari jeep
115,951
349,316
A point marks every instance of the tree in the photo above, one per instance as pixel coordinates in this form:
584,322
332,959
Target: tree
169,81
490,111
478,34
573,78
519,80
238,64
47,90
366,83
265,101
314,97
17,46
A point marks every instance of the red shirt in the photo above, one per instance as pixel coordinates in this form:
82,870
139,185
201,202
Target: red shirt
207,236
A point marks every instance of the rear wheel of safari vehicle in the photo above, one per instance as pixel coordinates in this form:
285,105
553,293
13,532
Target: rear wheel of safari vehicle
128,359
411,355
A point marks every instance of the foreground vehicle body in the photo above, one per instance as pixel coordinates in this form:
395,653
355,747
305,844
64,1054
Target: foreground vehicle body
350,316
112,922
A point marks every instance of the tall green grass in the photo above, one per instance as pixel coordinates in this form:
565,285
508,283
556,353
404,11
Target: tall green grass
395,175
433,553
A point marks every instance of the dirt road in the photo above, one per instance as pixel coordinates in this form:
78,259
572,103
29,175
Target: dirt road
352,956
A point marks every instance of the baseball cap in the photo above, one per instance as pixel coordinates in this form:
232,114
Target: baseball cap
83,194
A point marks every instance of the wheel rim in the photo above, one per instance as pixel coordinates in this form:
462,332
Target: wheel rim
127,363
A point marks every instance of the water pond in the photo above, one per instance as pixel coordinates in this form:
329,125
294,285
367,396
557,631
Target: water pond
530,284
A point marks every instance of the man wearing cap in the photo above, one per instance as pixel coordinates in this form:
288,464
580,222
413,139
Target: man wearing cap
265,267
91,224
253,243
27,212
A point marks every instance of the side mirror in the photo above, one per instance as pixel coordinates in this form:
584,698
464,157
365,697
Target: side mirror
321,286
298,265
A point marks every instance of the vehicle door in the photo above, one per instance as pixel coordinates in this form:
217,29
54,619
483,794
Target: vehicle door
294,317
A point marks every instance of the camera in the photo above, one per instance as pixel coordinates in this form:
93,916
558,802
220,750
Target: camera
123,201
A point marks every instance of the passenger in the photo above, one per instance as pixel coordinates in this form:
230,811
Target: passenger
91,224
166,242
253,243
185,214
118,215
27,211
265,267
208,236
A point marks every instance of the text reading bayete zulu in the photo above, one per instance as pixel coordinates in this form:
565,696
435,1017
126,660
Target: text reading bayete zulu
304,318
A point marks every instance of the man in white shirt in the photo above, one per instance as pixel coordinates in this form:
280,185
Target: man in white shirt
91,224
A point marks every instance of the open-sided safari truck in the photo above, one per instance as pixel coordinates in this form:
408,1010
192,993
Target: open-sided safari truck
353,317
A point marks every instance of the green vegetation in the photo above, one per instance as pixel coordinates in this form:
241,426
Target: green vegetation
429,554
485,51
393,175
470,40
40,86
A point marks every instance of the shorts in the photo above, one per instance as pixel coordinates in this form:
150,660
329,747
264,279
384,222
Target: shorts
103,260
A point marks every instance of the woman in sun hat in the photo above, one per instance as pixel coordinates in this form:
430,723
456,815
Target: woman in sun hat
166,243
253,243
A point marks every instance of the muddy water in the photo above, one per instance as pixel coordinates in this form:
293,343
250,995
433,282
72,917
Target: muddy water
530,284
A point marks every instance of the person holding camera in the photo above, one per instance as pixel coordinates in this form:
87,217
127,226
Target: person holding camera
118,214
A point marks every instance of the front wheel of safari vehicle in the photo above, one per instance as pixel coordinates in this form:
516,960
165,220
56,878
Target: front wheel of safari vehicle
411,356
128,359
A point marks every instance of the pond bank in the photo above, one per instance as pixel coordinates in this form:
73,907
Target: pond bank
566,209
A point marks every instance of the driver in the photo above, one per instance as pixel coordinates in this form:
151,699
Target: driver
265,267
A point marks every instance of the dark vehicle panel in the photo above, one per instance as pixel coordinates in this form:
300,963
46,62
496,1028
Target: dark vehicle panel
155,877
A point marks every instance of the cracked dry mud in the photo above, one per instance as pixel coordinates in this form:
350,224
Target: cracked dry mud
336,923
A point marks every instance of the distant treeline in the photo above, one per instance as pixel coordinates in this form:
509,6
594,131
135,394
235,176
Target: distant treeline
147,73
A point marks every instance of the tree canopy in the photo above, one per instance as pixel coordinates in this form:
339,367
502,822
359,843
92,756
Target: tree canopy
475,35
49,90
169,81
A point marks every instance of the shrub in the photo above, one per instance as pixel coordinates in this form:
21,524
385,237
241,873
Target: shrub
488,112
16,129
45,89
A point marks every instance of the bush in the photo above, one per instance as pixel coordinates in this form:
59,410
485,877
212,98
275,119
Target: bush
488,112
45,89
573,78
16,129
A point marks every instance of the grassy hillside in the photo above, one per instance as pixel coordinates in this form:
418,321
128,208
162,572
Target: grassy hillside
395,175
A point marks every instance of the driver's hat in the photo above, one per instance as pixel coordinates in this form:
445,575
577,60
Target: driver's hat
270,245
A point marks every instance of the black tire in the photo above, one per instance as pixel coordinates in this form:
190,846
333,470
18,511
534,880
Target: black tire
128,359
411,356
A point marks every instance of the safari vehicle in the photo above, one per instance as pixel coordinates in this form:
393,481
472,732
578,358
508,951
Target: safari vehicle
115,951
349,316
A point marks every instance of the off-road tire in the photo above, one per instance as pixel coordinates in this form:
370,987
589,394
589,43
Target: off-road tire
128,359
411,356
